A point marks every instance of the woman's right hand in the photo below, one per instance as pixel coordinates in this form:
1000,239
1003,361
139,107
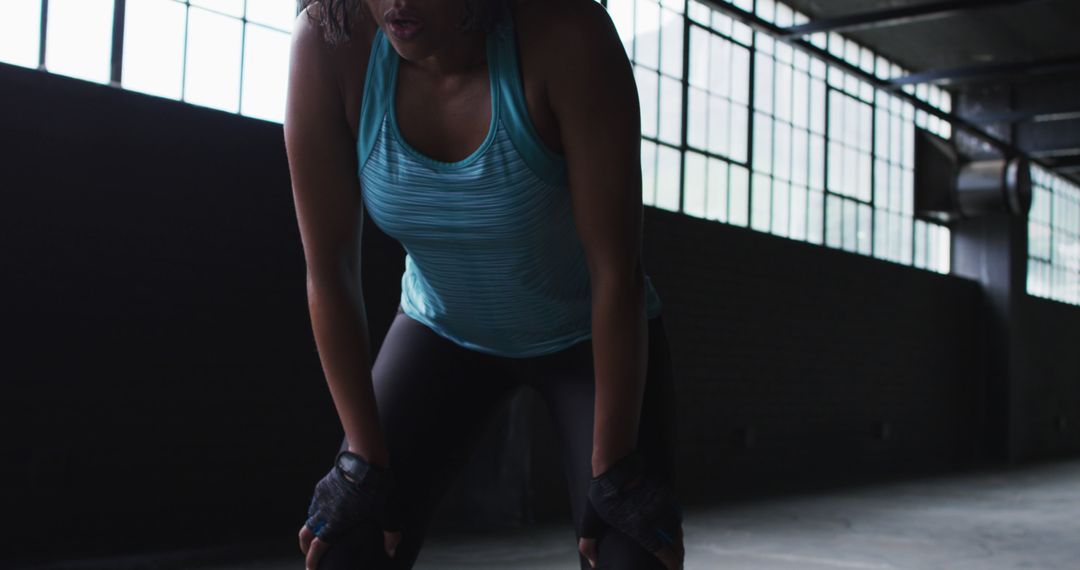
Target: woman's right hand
353,492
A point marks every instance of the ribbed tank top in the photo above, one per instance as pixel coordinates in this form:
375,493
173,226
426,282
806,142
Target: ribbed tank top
493,259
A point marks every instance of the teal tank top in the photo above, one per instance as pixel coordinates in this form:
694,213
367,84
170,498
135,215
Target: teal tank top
493,260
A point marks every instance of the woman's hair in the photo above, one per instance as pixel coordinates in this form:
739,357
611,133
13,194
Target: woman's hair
336,16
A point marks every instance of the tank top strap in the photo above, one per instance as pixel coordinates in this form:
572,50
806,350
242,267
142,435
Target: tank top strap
376,96
549,166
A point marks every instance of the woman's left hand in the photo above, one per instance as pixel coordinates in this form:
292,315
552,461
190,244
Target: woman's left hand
629,499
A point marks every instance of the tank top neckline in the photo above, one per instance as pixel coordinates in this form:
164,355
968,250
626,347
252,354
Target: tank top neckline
492,72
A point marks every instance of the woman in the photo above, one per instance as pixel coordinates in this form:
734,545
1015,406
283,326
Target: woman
499,142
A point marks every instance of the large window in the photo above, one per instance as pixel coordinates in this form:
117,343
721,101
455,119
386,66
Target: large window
1053,270
718,114
231,55
737,127
777,140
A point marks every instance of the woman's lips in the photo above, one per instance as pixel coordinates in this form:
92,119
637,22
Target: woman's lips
405,29
404,23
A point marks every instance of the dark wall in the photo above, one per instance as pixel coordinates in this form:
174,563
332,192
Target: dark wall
799,363
1051,391
161,382
162,387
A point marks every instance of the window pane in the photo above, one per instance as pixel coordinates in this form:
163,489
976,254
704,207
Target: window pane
833,221
817,106
740,74
836,167
863,160
741,32
20,33
717,200
865,226
212,78
622,14
799,157
266,72
672,50
766,9
648,173
719,133
783,92
722,23
800,93
906,225
762,143
694,190
697,118
699,57
763,78
277,13
647,83
698,11
671,110
760,196
933,248
782,151
647,34
850,179
850,225
908,198
720,75
739,198
668,180
882,235
815,207
676,5
154,47
230,7
780,208
79,39
817,162
739,128
920,244
798,212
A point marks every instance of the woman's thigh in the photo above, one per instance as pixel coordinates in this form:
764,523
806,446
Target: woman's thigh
566,382
435,398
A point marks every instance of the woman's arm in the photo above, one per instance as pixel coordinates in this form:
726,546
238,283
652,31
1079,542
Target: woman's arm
594,97
326,192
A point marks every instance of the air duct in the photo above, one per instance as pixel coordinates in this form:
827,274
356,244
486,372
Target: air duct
949,187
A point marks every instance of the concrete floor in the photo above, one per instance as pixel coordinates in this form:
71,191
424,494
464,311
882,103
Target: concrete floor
1024,517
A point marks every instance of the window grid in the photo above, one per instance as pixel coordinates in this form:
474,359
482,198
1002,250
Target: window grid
654,33
856,215
782,105
717,115
894,178
271,19
1054,238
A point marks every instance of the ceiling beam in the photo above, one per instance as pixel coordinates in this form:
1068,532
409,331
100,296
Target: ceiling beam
759,24
1065,162
969,73
896,16
1044,115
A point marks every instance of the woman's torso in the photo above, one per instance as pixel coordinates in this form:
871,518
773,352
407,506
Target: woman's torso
459,132
480,201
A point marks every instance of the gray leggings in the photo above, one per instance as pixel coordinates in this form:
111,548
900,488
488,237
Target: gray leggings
436,398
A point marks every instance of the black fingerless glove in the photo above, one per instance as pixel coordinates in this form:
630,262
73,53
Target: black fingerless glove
647,512
354,491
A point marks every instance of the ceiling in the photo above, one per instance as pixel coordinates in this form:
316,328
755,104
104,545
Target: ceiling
1013,67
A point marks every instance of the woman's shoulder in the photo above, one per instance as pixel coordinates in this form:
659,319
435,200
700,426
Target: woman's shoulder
337,66
542,25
